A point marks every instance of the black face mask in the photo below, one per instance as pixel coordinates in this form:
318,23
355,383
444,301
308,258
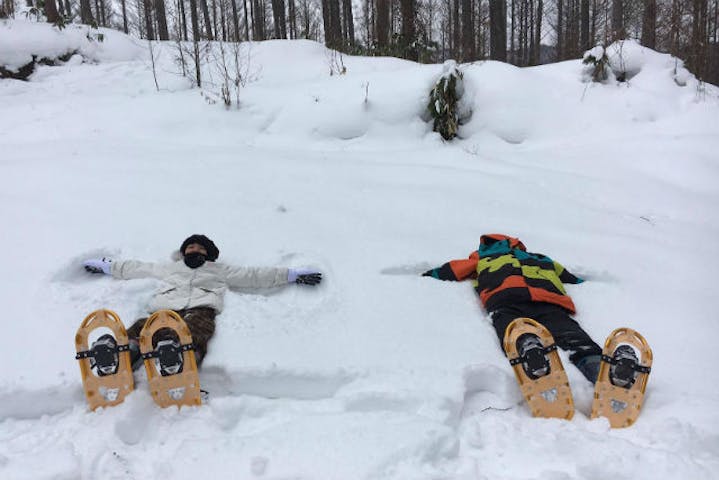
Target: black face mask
195,259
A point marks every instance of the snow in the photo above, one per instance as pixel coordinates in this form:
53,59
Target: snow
378,373
21,40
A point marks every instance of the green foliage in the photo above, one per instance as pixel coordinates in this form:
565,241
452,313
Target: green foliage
95,37
61,22
598,64
400,47
443,103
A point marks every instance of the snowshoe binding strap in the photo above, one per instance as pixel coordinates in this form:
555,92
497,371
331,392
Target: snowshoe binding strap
92,352
534,361
628,363
532,353
104,357
623,371
169,355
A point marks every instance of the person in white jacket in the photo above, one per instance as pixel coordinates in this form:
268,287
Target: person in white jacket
195,287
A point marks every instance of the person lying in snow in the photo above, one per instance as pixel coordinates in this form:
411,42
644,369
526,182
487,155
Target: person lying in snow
513,283
195,288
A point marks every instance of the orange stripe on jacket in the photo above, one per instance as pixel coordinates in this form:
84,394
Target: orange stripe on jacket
542,295
464,268
513,281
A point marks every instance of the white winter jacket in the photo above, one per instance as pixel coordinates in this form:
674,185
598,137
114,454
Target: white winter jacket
204,286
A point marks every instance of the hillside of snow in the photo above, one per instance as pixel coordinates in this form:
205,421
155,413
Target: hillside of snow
378,373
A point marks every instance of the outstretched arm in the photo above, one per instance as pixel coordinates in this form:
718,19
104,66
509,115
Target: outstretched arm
565,275
255,277
123,269
454,270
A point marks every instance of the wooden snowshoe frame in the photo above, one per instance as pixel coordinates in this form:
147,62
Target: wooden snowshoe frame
110,389
182,388
621,406
548,396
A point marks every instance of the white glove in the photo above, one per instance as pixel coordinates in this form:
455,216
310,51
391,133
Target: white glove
304,276
98,265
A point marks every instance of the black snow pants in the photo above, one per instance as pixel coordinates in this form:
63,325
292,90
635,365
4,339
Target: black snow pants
567,333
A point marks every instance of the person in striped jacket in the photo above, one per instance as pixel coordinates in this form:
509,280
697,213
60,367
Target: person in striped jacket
512,283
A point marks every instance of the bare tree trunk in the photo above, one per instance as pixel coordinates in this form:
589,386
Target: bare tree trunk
86,12
649,24
530,33
382,23
618,31
335,24
223,19
698,50
292,11
327,22
573,28
523,33
149,29
538,32
498,30
124,16
247,21
214,20
161,20
7,9
593,23
584,41
258,19
560,30
409,34
103,18
348,22
456,32
235,22
280,21
206,15
467,33
194,19
51,11
182,20
512,45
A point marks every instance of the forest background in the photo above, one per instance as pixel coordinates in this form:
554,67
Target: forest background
520,32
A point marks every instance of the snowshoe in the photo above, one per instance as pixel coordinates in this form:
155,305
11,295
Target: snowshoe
170,360
542,379
623,375
105,367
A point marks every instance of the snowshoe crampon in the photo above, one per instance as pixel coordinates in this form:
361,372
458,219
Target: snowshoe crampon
623,376
170,363
105,366
533,356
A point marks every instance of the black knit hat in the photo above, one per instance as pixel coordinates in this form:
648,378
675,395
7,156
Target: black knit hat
212,251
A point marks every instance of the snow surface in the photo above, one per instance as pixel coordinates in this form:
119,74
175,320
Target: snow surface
378,373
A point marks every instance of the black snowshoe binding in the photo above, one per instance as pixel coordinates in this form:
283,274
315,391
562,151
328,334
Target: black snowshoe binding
169,356
623,369
105,355
168,352
533,356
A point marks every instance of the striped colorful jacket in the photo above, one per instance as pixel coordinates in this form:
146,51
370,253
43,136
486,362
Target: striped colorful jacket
505,273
